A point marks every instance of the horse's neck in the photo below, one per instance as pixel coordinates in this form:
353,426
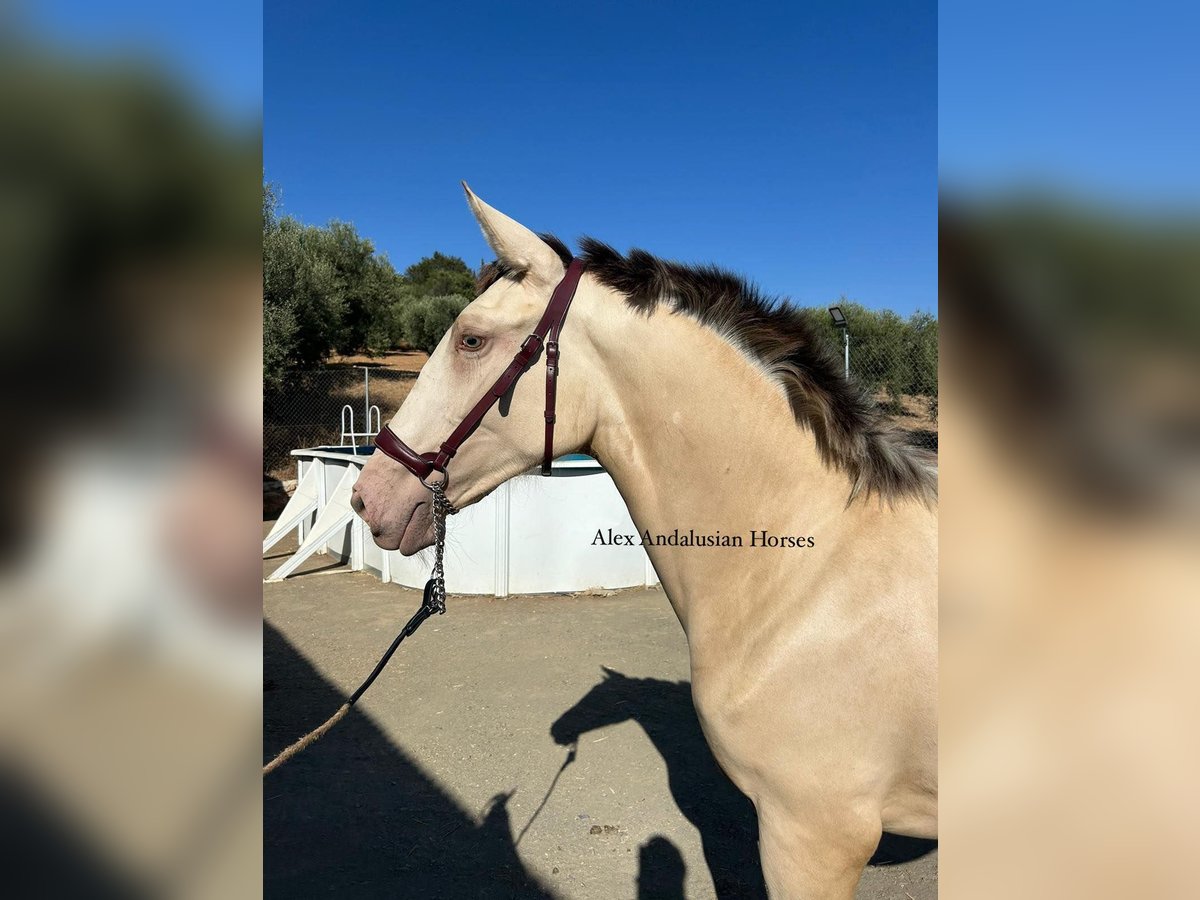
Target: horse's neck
696,437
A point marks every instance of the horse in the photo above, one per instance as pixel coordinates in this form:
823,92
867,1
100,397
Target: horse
812,637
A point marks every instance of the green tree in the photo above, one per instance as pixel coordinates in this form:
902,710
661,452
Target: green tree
432,292
440,275
302,304
426,319
325,290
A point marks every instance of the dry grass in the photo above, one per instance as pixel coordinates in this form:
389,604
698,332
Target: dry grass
916,416
393,360
387,391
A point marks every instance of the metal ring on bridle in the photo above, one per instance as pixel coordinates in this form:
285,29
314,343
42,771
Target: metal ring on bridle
444,482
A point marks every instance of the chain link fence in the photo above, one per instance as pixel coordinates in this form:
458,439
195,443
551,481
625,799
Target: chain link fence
904,382
894,358
309,410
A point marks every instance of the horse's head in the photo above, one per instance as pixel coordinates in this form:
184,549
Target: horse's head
612,700
469,358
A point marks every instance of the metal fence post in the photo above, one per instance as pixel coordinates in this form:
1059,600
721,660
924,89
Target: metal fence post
366,395
840,323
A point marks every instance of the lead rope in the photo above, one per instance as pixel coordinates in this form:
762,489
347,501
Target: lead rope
432,601
441,509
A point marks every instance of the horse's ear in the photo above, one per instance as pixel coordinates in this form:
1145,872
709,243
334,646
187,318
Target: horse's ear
608,673
515,244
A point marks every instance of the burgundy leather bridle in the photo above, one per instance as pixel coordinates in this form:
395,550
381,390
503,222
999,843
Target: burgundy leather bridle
545,334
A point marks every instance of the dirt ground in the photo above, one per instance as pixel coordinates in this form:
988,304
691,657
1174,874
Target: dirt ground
452,778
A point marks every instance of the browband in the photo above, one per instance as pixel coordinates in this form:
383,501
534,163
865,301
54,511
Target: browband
545,334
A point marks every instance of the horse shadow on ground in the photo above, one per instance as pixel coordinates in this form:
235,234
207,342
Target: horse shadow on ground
354,816
722,814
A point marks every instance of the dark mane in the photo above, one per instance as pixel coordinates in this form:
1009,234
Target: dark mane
492,272
851,432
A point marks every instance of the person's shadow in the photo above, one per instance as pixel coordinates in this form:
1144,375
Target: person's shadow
722,814
660,870
354,816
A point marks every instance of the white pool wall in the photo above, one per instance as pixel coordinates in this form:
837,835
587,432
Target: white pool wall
532,535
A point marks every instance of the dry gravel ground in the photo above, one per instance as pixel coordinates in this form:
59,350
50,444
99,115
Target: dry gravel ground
430,787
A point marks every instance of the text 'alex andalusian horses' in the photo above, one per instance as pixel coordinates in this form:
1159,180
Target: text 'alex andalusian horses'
814,663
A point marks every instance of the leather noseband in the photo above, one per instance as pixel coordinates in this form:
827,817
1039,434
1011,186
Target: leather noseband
545,334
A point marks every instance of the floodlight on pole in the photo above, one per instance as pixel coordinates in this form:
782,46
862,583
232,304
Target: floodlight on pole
839,321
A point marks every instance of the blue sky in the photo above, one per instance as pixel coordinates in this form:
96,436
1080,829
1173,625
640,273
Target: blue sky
796,144
215,47
1093,100
799,146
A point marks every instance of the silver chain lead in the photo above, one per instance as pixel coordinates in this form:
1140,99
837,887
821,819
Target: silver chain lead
441,509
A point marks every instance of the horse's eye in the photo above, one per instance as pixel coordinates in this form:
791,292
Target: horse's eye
470,342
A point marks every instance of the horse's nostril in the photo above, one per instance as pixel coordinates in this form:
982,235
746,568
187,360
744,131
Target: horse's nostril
356,503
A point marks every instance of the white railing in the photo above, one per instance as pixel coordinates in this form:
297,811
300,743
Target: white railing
350,435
